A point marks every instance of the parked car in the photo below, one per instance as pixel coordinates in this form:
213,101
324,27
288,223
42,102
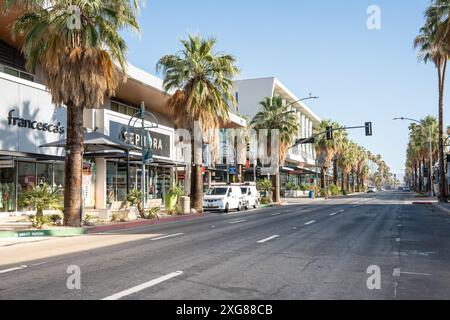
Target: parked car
371,190
251,198
224,199
406,189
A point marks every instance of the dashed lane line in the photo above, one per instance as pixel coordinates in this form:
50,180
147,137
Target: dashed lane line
143,286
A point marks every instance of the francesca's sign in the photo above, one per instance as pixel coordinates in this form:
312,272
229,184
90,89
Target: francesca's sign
33,124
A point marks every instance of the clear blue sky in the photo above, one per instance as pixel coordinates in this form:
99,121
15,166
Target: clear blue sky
323,47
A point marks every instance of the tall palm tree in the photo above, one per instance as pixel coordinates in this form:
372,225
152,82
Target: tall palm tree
328,149
80,65
275,114
203,85
433,44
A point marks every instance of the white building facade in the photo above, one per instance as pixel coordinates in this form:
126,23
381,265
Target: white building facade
300,164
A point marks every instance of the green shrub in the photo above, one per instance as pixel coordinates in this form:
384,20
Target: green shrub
265,200
41,198
324,193
290,186
344,192
264,185
304,187
56,219
334,190
39,222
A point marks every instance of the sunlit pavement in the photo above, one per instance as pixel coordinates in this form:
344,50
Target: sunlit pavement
317,250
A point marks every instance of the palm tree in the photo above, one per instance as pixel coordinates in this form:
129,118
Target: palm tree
275,114
79,63
328,149
203,85
433,43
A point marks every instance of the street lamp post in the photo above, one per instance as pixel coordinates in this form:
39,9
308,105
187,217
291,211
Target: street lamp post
430,150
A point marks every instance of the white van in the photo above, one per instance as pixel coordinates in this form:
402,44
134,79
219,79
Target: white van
224,199
251,198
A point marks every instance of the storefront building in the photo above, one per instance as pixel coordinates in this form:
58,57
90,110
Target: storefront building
300,167
28,120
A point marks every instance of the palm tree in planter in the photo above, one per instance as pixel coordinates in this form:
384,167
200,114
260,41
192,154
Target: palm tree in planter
41,198
277,115
204,91
79,54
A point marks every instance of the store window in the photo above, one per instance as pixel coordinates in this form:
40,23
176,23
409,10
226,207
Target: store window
44,174
7,190
26,177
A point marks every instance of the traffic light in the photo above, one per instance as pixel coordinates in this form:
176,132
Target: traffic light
368,129
329,133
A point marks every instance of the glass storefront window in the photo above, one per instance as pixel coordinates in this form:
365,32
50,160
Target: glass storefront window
26,177
44,174
7,190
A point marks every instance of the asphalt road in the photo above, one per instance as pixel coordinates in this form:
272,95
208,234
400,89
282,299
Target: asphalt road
317,251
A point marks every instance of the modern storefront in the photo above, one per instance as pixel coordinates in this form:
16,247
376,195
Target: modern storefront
29,119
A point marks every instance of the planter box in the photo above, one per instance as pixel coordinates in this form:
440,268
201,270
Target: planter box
295,194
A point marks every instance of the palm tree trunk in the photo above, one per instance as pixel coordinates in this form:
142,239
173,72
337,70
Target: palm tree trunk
347,183
335,172
443,180
73,166
196,182
323,173
343,181
276,184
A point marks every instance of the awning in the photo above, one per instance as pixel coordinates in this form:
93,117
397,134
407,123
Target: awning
96,142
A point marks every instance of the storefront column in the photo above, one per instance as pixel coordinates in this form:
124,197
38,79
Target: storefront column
100,183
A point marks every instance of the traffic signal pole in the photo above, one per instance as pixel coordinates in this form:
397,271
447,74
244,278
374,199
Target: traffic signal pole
329,133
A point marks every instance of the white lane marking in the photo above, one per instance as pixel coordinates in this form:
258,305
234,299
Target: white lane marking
143,286
416,273
308,223
168,236
268,239
398,239
39,264
276,214
13,269
333,214
239,221
342,211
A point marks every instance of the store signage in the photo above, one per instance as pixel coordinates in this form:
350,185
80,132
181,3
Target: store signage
160,143
34,125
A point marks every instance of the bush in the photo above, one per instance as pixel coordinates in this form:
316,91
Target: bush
39,221
291,186
265,185
174,211
265,200
334,190
344,192
324,193
56,219
304,187
41,198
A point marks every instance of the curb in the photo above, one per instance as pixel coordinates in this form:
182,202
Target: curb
141,223
72,232
66,232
